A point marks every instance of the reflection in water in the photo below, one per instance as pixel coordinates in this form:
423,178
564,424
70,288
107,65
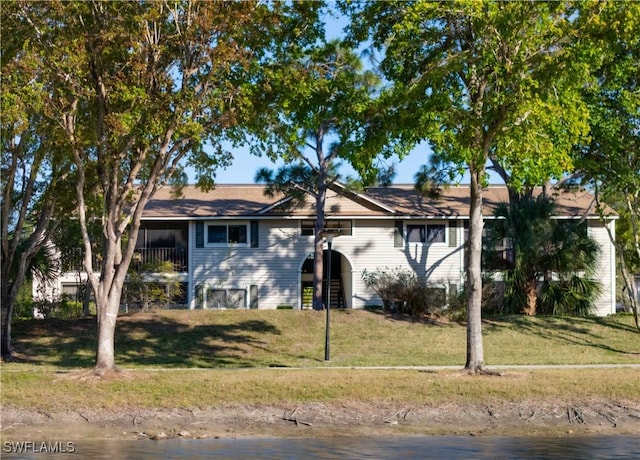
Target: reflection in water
449,447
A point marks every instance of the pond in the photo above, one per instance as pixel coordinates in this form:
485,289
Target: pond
419,447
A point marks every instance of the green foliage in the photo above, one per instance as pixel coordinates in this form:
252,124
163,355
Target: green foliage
572,296
152,286
403,292
482,80
554,257
610,160
317,99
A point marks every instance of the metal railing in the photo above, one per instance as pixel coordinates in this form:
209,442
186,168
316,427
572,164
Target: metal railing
145,258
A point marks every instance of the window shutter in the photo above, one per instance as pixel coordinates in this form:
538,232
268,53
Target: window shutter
200,301
453,240
254,234
199,234
398,240
253,296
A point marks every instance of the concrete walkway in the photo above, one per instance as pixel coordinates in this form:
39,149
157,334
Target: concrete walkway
328,365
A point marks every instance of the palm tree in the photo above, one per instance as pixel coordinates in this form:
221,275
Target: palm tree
549,263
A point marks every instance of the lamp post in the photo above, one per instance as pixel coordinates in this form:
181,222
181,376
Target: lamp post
329,236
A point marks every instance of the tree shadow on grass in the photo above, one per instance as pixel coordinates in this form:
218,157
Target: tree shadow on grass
428,320
143,341
582,331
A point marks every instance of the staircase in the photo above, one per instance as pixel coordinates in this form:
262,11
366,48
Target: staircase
337,293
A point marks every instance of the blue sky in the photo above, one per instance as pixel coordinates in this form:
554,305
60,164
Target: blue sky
245,165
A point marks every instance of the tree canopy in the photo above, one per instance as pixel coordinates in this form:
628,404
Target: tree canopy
609,161
315,102
138,91
37,174
481,81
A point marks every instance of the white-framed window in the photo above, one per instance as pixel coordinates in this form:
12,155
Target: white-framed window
429,233
221,234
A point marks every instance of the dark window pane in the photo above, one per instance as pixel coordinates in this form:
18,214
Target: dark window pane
157,238
238,234
342,227
216,234
436,233
415,233
307,227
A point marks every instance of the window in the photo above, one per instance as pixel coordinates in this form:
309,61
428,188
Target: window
429,233
227,234
344,227
226,298
497,253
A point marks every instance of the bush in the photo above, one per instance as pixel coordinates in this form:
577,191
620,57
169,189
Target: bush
403,292
151,287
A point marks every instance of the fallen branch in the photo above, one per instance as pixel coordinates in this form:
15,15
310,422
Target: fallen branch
575,415
402,412
291,418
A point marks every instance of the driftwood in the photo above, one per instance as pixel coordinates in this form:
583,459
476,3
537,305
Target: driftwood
400,413
575,415
290,418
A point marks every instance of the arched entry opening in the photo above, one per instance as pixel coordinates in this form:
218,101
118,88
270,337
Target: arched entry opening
341,283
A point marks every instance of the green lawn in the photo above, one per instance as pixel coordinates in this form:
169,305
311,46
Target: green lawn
255,357
289,338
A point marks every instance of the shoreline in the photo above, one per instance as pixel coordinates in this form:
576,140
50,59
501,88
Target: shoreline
554,418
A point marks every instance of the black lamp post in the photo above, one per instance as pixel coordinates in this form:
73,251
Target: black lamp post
329,236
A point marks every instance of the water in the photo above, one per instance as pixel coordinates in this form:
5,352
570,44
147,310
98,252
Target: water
441,447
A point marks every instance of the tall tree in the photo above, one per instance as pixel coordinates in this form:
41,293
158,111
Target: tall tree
35,171
610,161
481,81
319,98
140,89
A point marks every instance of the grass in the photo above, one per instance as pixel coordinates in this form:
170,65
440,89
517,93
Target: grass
223,388
291,338
275,357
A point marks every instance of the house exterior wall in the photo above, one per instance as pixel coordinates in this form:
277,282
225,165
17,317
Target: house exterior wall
606,272
275,266
270,274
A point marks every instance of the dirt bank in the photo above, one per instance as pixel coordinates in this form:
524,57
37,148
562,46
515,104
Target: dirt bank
532,418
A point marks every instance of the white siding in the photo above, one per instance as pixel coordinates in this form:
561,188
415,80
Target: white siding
372,247
606,273
275,265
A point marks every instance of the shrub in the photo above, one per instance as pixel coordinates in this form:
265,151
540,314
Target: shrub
403,292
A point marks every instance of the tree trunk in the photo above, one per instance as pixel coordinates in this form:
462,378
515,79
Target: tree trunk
7,313
107,307
318,245
8,298
531,290
475,353
86,299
